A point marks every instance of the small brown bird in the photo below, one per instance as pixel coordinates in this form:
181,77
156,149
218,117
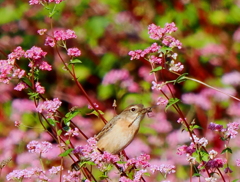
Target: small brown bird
118,133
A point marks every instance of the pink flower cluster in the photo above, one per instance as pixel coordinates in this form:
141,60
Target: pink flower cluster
213,163
122,76
62,35
74,52
197,99
184,149
39,88
229,132
35,53
154,48
20,86
32,2
157,33
90,152
72,133
154,51
140,161
32,173
7,69
164,169
49,107
73,176
27,174
213,49
39,147
232,78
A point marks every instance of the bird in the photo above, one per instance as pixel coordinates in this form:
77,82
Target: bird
119,132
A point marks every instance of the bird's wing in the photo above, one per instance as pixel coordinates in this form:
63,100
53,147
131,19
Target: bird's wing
107,127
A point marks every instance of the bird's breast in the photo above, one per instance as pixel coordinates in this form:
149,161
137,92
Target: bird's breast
118,137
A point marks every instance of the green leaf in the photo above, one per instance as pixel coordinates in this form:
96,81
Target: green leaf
226,150
147,174
75,61
181,78
59,132
66,128
67,142
156,69
33,95
95,113
72,114
171,102
196,127
196,175
87,162
201,156
235,180
65,153
204,156
164,49
52,121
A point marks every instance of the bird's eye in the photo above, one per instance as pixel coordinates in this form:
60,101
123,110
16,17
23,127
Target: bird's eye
133,109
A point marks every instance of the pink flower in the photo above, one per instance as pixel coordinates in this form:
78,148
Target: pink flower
114,76
213,49
232,78
139,174
49,42
231,129
180,120
17,123
197,99
157,86
171,42
163,168
35,53
18,73
135,54
125,179
5,71
20,174
170,27
37,147
200,141
162,101
73,52
175,67
184,149
140,161
72,133
73,176
238,162
39,88
215,163
64,35
49,107
43,65
20,86
156,60
236,35
155,32
55,169
95,104
32,2
42,31
215,127
17,53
